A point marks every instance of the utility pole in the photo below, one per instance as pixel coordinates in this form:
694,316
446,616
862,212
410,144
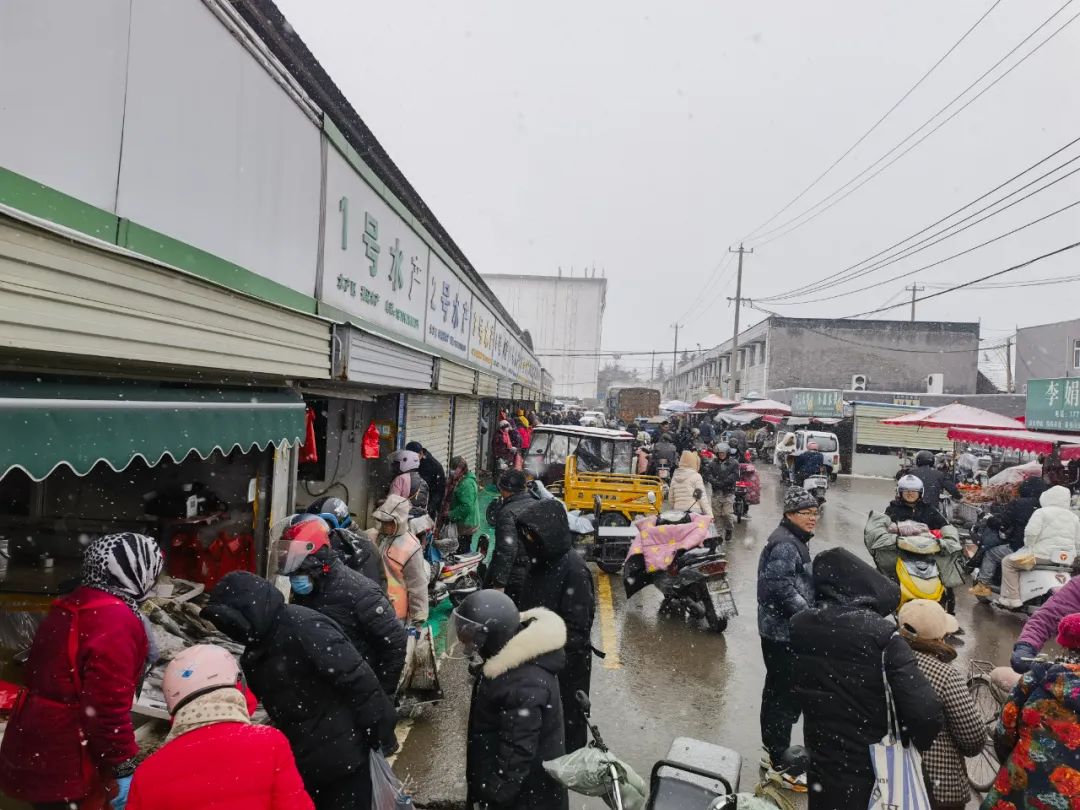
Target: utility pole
915,288
675,360
1008,365
735,340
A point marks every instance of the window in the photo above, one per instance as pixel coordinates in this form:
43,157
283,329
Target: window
1076,354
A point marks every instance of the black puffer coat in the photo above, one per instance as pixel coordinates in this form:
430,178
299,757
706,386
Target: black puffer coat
509,561
359,554
361,610
516,722
784,582
559,580
934,482
314,684
435,476
840,645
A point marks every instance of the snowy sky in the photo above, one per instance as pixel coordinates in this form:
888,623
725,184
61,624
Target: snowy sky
645,138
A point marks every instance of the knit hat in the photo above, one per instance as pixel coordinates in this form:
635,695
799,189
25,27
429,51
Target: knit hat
927,620
796,499
691,461
1069,632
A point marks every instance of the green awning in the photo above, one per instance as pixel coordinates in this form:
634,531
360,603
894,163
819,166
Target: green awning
45,424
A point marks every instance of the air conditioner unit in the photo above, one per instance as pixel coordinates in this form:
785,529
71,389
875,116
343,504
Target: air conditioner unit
935,383
859,382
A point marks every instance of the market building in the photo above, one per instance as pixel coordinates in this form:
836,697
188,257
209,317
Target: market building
207,260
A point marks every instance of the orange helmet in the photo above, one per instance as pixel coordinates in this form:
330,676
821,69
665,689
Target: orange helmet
297,537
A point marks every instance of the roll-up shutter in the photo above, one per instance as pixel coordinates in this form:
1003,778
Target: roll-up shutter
365,358
487,386
466,430
427,420
870,431
453,378
65,295
517,392
505,389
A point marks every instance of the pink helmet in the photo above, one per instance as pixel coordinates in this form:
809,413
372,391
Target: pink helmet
405,460
196,671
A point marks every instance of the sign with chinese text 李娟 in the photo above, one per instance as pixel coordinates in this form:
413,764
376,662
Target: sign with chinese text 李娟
1053,404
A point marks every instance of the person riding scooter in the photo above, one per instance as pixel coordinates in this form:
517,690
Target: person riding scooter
934,480
812,462
722,474
665,456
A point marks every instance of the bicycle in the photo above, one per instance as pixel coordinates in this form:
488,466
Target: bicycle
982,769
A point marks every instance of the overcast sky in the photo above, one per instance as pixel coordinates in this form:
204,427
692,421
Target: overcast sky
648,137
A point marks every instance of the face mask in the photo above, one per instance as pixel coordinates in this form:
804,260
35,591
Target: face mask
301,584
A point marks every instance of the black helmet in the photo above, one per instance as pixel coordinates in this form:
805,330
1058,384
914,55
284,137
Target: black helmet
924,458
333,510
484,623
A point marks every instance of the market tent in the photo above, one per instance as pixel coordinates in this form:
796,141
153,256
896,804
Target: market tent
48,424
1029,441
956,415
733,418
676,406
770,406
713,401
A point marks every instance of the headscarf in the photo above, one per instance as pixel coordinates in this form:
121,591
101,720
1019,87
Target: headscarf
125,565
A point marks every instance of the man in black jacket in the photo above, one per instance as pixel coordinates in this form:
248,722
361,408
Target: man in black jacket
841,645
433,473
509,561
559,580
315,686
515,721
722,473
934,480
359,607
664,450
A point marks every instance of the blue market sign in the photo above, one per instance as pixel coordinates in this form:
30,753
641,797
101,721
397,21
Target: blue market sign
824,404
1053,404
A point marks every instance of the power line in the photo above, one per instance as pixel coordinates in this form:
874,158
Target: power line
956,287
844,275
876,124
1035,282
783,230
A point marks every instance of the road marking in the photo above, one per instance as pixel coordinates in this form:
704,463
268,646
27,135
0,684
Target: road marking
607,622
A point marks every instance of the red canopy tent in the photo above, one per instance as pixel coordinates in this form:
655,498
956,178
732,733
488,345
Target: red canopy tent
713,401
1029,441
956,416
764,406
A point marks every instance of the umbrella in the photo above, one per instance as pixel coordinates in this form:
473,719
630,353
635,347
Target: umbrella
676,406
714,401
956,416
770,406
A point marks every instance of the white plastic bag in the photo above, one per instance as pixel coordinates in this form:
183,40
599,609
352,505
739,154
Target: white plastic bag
898,774
387,792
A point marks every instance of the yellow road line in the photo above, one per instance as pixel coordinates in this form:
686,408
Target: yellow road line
607,621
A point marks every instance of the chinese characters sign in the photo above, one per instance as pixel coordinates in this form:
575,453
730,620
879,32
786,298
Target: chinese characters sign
448,310
1053,404
826,404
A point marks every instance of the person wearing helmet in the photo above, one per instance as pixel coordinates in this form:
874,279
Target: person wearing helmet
559,580
516,716
211,725
403,558
934,480
810,462
355,549
503,445
70,740
722,474
408,483
316,688
664,455
322,582
910,504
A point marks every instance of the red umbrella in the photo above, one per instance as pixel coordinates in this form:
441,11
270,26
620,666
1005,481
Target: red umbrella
956,416
769,406
714,401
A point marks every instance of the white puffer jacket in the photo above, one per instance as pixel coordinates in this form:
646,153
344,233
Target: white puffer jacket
1054,527
681,491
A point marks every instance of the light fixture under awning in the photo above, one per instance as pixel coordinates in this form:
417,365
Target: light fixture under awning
46,424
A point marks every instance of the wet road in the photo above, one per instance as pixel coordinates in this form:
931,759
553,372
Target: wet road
669,680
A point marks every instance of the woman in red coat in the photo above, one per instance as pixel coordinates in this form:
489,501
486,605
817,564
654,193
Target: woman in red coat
213,758
70,742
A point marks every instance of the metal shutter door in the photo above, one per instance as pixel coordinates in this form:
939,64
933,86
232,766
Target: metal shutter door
870,431
372,360
454,379
427,420
487,386
467,430
505,387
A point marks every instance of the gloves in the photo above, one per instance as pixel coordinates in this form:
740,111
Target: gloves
1021,651
123,787
413,631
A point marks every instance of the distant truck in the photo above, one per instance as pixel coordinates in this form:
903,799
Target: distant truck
627,404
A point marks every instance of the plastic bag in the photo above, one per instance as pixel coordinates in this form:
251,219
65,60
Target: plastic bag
449,532
370,446
387,792
585,771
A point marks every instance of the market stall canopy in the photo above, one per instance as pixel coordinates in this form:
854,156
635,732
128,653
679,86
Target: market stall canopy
713,401
956,415
1029,441
48,424
676,406
761,406
733,418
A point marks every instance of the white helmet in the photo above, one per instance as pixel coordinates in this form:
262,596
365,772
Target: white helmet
909,483
196,671
405,460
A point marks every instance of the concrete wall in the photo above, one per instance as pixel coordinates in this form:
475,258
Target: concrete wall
1046,351
825,353
562,314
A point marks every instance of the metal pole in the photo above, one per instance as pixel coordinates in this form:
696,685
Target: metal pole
675,361
1008,365
735,338
915,288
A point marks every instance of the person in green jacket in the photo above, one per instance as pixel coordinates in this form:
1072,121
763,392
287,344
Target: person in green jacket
464,511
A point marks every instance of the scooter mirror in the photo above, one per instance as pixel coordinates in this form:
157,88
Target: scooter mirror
698,493
652,497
